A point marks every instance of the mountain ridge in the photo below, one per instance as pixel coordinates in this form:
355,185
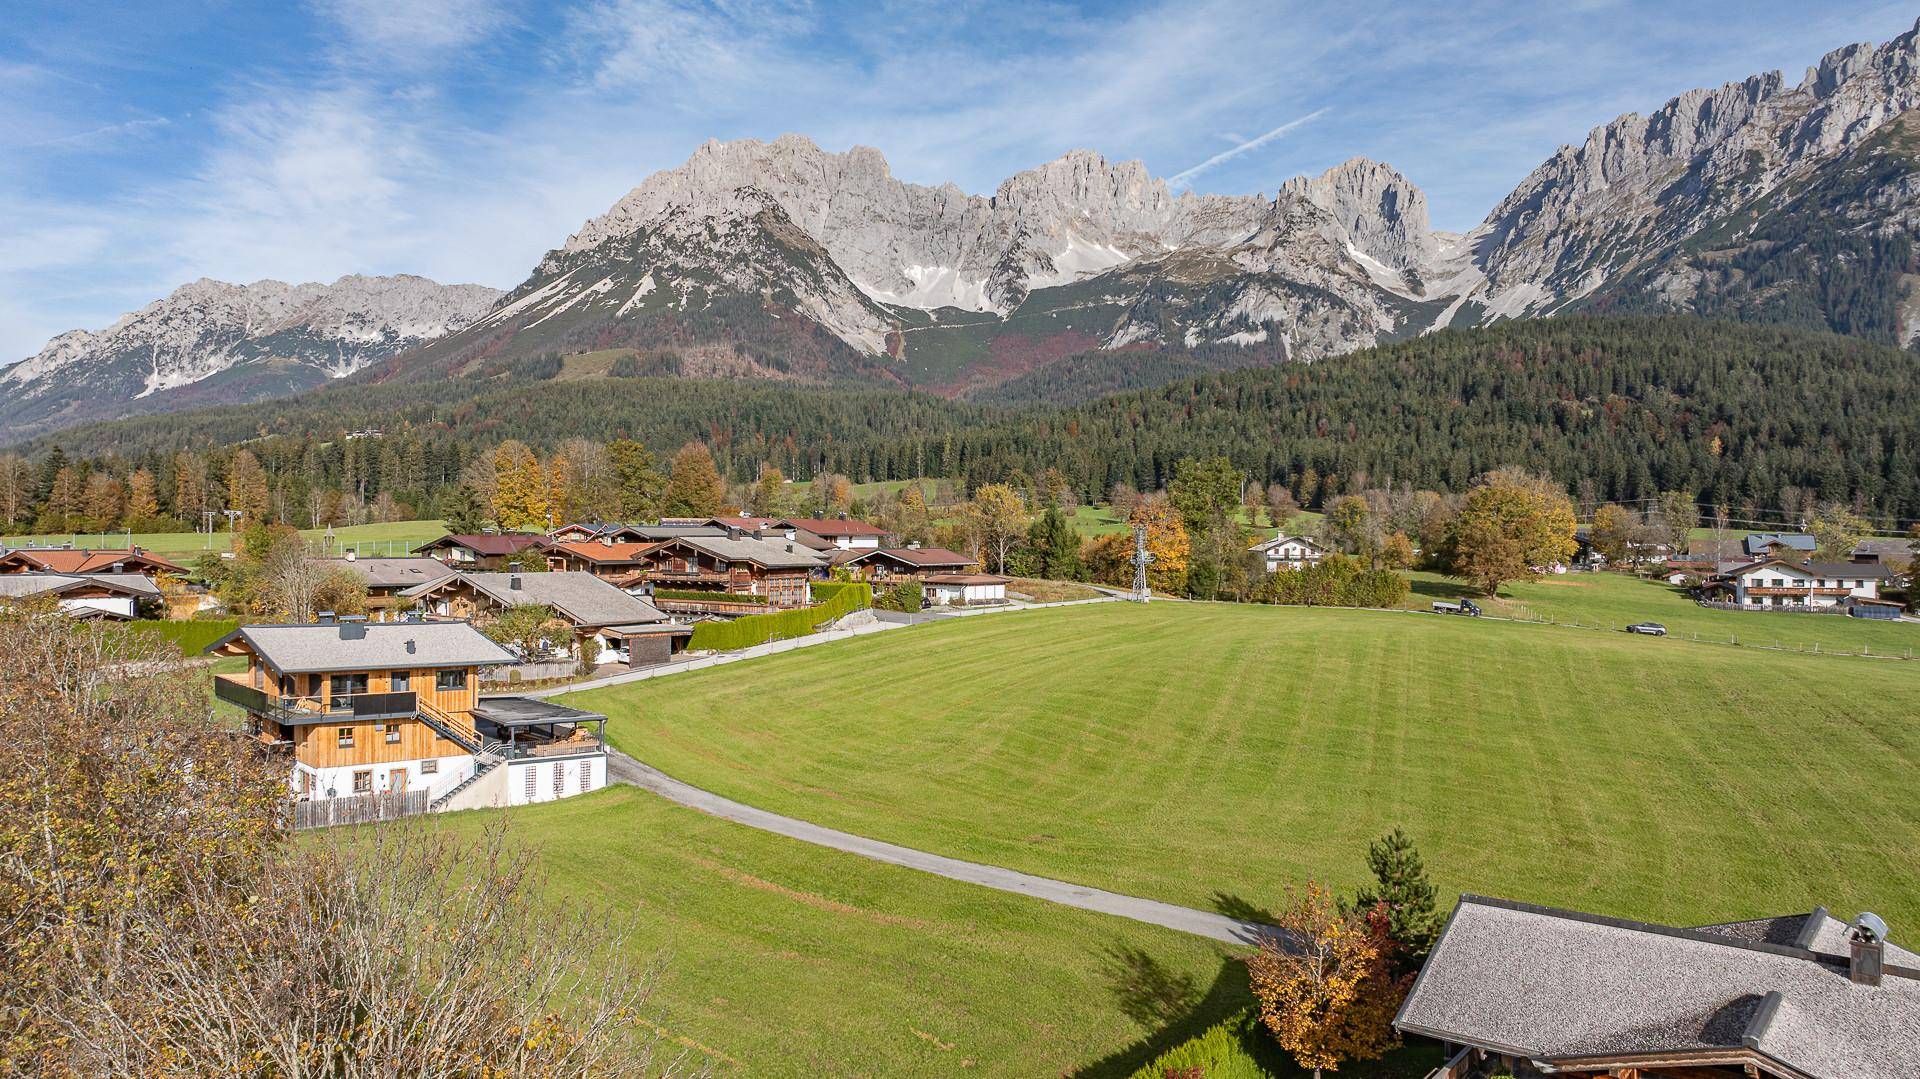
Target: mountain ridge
1753,200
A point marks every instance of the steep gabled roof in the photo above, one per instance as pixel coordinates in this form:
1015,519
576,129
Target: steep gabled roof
580,598
320,647
55,584
830,526
500,543
88,560
1561,986
599,551
916,557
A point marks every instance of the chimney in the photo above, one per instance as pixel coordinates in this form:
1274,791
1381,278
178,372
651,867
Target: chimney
789,548
607,540
843,515
325,618
353,631
790,535
1868,940
735,532
412,646
914,546
513,576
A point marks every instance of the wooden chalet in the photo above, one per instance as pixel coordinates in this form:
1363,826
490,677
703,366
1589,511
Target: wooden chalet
73,560
117,596
605,624
606,558
728,575
390,713
387,579
882,566
488,550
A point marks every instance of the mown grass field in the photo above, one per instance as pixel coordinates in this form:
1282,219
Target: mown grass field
394,538
1213,754
785,959
1615,600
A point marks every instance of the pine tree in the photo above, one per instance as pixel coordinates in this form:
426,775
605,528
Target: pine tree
1400,882
143,500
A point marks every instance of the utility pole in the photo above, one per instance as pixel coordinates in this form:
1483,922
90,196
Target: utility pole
1141,556
233,520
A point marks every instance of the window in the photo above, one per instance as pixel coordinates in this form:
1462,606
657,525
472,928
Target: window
343,688
400,681
559,780
393,733
286,686
363,782
430,766
532,780
346,738
450,681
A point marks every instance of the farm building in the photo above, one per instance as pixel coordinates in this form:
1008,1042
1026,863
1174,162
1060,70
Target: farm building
1285,551
1777,583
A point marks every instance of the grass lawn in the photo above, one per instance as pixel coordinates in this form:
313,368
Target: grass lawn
786,959
1614,600
395,538
1211,754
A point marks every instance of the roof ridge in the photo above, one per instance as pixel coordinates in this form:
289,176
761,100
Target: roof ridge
1657,929
1761,1019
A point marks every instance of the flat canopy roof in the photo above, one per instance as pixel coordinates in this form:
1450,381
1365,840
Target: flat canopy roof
530,712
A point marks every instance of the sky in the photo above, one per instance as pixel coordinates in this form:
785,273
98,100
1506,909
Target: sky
146,144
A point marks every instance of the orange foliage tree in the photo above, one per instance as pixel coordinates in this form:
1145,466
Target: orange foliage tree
1325,983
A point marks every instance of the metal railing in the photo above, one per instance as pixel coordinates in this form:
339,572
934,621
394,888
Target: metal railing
359,707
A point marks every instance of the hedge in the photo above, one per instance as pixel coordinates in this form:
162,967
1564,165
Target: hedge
193,635
1234,1048
834,600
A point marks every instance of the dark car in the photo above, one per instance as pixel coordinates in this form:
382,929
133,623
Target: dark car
1651,629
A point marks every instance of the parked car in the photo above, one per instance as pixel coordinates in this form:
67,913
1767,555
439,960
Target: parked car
1651,629
1465,606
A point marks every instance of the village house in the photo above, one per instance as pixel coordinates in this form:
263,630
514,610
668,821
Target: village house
87,561
840,532
965,589
1516,989
387,579
1780,544
1775,583
883,566
606,558
1285,551
728,575
489,550
118,596
604,623
390,713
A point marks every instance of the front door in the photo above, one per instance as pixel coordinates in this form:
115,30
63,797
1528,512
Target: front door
397,781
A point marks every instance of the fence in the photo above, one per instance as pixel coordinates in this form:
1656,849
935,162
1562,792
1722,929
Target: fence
358,809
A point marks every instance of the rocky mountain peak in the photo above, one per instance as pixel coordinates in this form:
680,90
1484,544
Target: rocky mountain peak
1384,215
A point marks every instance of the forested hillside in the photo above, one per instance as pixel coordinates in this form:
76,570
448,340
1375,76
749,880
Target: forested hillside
1615,407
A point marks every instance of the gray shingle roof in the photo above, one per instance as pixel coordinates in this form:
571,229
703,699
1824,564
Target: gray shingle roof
1553,985
391,572
581,598
1759,542
772,554
36,584
318,647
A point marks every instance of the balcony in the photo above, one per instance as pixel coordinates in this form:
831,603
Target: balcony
354,707
687,576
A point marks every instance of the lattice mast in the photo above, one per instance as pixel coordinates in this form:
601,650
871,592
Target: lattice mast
1141,593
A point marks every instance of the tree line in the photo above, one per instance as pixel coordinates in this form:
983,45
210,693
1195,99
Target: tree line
1612,408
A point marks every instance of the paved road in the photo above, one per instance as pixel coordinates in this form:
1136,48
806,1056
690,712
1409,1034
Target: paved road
624,769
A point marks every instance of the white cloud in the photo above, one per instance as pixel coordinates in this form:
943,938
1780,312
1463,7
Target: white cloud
412,32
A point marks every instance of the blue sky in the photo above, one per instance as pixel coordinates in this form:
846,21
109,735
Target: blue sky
145,144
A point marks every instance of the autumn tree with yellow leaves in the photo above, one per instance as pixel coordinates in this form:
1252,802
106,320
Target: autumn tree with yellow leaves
520,489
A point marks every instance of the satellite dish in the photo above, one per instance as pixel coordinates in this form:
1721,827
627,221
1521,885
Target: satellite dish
1870,926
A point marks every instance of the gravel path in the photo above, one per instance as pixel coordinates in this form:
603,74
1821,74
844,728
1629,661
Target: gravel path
624,769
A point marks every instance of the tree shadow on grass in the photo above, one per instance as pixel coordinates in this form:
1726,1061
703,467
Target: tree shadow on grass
1445,589
1171,1005
1234,906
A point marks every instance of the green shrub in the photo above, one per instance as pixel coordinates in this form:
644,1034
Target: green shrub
1336,581
907,596
1230,1049
832,600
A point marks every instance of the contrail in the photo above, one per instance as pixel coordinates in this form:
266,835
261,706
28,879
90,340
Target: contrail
1185,179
